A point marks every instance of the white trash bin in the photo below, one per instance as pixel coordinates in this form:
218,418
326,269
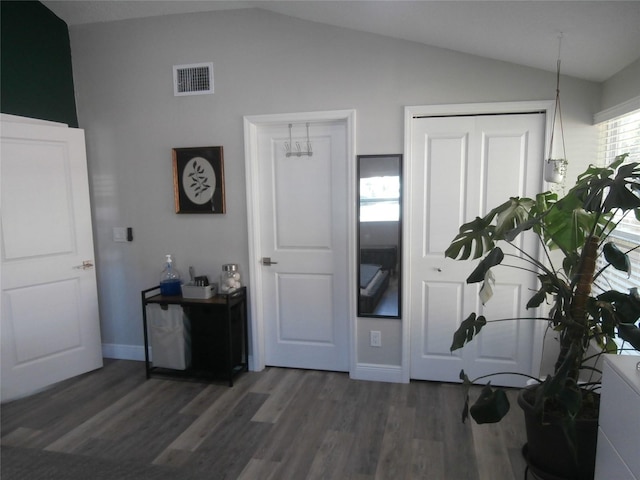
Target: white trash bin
170,336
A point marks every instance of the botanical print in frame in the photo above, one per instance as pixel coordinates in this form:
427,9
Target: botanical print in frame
198,180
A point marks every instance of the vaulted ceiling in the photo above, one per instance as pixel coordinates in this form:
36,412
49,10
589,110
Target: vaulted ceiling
599,38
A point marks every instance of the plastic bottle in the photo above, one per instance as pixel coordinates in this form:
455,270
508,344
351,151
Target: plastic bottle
170,283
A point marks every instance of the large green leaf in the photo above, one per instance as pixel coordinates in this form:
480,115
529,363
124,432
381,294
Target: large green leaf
625,306
486,291
590,185
603,189
616,257
537,211
630,333
537,299
623,310
470,327
606,314
477,237
491,406
621,192
544,202
549,285
493,258
474,237
512,214
567,228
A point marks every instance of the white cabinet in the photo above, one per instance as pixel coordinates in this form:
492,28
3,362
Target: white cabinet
617,456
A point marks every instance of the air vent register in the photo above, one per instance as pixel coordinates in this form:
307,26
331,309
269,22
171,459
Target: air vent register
193,79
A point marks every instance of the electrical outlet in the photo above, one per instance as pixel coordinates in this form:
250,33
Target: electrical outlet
376,338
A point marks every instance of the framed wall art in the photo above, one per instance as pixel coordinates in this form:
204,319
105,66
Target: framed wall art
198,180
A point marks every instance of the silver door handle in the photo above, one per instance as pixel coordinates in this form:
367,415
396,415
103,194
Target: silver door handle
266,261
85,265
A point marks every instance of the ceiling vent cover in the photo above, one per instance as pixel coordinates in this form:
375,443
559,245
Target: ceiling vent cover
193,79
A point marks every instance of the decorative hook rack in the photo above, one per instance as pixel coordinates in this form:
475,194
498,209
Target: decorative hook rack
296,150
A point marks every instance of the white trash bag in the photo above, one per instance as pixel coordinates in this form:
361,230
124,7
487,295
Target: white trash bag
170,334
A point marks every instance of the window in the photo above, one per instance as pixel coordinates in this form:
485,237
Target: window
380,199
617,136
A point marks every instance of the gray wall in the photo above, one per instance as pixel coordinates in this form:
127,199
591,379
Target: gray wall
264,63
622,87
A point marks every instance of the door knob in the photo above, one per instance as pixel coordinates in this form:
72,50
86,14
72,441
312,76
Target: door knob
266,261
85,265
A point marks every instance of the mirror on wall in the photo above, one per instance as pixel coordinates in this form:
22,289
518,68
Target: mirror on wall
379,235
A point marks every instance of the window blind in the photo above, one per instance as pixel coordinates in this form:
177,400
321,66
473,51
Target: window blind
620,135
617,136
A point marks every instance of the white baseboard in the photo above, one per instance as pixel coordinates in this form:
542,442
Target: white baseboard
123,352
363,371
378,373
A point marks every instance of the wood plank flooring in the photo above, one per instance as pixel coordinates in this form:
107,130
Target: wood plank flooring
276,424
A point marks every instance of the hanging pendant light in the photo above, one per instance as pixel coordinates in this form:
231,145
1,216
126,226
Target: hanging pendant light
556,168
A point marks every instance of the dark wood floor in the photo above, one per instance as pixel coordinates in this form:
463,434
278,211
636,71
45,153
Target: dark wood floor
276,424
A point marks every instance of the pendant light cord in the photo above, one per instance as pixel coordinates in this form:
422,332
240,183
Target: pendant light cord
557,113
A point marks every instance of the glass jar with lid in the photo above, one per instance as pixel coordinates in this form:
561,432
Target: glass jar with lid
229,278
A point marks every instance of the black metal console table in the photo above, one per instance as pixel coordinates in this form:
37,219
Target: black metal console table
219,341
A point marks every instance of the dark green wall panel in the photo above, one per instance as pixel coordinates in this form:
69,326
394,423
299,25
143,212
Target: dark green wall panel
36,77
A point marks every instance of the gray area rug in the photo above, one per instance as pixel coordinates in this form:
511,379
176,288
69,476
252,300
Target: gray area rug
30,464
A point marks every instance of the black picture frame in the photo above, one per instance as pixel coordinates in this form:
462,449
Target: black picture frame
198,180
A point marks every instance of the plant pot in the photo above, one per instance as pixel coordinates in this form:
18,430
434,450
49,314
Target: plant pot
547,450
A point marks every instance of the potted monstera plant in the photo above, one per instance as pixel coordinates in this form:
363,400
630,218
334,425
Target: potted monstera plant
582,307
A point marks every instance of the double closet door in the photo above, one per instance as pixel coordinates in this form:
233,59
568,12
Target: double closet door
461,168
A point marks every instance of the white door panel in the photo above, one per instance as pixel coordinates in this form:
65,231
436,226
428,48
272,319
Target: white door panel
443,180
304,227
461,168
34,335
44,198
50,328
317,292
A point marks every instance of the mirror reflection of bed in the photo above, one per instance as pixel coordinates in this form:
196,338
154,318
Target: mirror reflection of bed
378,291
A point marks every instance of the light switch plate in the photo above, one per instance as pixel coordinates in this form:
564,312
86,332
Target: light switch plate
119,234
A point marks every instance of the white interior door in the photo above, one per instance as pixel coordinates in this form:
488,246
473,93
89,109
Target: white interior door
304,223
462,167
50,327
